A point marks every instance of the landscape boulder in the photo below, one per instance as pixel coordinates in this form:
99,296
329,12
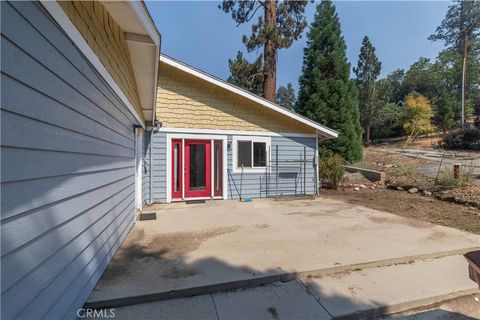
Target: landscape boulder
413,190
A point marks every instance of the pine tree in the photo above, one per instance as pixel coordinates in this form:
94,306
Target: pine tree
327,94
286,96
282,23
245,74
460,30
367,72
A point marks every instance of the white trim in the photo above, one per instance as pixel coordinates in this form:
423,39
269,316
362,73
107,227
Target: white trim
198,198
212,162
235,139
169,184
142,15
324,131
138,169
63,20
157,70
168,164
234,132
317,183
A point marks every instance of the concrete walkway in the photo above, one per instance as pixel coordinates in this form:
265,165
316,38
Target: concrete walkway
203,248
351,295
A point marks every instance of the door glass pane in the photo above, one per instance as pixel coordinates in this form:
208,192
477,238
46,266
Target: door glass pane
218,167
259,154
244,156
197,167
176,167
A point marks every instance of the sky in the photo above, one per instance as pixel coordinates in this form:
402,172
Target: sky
203,36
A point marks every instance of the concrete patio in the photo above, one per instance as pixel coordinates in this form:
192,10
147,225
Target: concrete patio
204,248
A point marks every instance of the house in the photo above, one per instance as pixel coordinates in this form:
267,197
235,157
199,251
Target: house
94,125
217,141
78,85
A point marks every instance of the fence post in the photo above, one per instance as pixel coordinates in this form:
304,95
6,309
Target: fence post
456,170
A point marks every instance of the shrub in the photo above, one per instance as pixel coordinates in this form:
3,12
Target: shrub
464,138
416,115
332,170
447,179
402,171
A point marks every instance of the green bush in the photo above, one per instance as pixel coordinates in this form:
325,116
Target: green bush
447,179
402,171
331,170
464,138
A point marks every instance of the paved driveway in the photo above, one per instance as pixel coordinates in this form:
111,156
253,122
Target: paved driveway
224,242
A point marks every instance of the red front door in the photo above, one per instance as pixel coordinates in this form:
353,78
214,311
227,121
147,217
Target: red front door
197,168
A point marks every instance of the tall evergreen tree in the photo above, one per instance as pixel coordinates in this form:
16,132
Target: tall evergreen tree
392,87
460,29
461,32
245,74
419,78
282,23
327,94
286,96
367,71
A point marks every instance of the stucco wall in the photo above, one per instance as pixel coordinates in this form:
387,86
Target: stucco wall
184,101
107,40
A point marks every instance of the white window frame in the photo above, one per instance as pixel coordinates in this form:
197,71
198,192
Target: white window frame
235,139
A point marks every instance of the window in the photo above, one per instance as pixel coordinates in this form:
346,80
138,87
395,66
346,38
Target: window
251,153
259,154
244,154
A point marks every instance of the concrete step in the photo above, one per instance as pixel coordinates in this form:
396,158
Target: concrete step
347,295
330,279
280,276
391,289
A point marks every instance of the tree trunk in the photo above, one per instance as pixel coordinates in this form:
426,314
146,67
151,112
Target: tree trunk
367,136
464,79
270,51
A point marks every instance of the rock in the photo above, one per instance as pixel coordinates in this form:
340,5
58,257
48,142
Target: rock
363,186
413,190
373,188
400,189
356,189
427,193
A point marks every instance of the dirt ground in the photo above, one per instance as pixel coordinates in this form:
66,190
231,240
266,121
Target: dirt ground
462,308
402,171
411,205
429,142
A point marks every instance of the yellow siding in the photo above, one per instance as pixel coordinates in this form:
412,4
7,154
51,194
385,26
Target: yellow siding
107,40
184,101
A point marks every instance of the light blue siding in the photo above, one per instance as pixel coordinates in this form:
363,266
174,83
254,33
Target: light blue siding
254,185
290,174
67,169
159,154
